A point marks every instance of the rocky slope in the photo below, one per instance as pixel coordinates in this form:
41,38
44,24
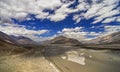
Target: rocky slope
113,38
22,40
6,38
64,40
15,39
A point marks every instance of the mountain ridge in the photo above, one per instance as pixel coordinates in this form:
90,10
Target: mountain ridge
113,38
20,40
63,40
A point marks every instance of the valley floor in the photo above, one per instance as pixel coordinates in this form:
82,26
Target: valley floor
58,58
83,60
26,63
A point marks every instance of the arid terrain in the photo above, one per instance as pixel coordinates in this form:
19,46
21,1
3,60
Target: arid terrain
78,59
60,54
61,58
29,61
59,35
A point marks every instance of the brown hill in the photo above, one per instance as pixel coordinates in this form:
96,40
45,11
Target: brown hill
64,40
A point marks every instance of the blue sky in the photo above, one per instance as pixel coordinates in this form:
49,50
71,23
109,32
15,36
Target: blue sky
54,27
43,20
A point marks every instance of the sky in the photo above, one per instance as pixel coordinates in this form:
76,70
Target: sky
42,20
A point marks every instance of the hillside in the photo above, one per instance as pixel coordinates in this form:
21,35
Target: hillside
8,45
22,40
64,40
113,38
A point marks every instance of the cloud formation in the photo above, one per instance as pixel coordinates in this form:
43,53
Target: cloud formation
76,33
101,10
19,30
81,35
112,29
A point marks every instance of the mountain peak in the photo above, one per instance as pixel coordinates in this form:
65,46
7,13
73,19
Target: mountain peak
64,40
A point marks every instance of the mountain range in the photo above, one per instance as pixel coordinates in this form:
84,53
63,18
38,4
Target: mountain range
62,40
9,46
19,40
113,38
22,40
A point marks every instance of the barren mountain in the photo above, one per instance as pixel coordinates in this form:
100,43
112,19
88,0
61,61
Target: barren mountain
22,40
15,39
8,46
6,38
113,38
64,40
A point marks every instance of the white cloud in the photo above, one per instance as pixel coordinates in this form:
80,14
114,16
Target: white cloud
118,19
19,30
107,15
109,2
100,10
82,6
57,17
19,9
94,9
62,12
77,18
112,29
81,35
108,20
20,16
94,33
77,33
109,29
